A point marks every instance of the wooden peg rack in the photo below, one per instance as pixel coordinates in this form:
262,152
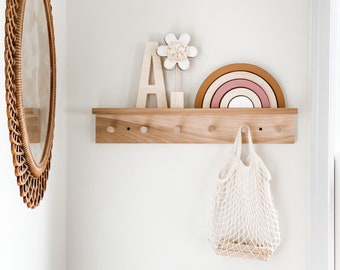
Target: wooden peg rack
125,125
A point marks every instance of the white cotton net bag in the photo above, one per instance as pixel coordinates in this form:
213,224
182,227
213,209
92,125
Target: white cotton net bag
244,222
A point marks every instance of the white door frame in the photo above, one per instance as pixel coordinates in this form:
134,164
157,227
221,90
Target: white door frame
321,253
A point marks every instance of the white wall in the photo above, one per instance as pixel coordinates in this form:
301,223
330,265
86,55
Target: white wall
35,239
146,206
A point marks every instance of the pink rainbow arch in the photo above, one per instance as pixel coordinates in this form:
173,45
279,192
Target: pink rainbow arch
237,83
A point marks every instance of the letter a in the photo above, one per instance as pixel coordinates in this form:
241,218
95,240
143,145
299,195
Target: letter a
151,62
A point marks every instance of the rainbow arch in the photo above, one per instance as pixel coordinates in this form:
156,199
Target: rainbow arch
242,80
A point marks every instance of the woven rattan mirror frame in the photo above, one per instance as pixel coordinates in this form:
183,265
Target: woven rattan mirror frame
31,175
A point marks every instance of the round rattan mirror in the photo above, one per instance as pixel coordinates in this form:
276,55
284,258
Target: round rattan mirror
31,126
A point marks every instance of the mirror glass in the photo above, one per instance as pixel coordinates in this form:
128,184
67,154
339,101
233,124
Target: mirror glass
36,70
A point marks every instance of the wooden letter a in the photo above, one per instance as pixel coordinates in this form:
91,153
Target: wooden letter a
151,62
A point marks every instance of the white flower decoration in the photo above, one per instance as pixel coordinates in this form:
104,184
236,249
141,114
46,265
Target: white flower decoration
177,51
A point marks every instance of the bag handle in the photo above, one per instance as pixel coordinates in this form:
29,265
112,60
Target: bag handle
237,147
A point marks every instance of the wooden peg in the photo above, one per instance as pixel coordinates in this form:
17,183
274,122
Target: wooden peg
151,79
279,128
144,129
211,129
110,129
244,129
178,129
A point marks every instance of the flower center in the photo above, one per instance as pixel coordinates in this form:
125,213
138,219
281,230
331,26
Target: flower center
177,51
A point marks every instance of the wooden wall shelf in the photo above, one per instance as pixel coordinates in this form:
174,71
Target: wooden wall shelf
131,125
32,118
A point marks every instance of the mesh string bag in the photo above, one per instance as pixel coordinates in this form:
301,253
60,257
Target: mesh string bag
244,222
